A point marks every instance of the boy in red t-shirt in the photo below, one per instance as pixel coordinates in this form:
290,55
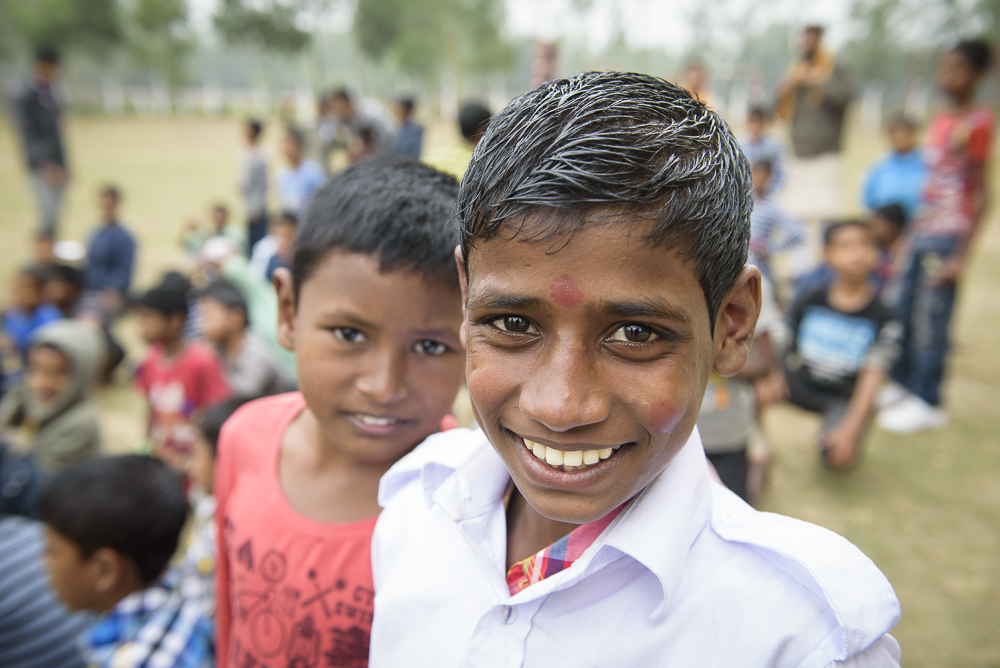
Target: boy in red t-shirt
372,309
959,144
177,378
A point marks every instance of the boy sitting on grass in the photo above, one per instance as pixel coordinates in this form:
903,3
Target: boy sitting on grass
372,309
605,221
844,340
112,525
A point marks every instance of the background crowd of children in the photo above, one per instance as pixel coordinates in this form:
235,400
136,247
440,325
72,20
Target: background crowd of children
858,330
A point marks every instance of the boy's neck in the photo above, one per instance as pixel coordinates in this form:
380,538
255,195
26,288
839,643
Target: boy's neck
172,347
528,531
963,101
850,293
231,346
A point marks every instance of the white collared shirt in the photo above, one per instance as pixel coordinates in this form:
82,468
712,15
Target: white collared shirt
687,576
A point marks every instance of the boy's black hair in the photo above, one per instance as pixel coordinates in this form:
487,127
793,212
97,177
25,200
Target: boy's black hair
67,274
407,104
893,213
816,28
902,120
47,54
288,217
393,209
473,118
627,148
175,280
758,112
836,226
976,52
165,300
295,135
341,93
38,272
133,504
219,206
211,419
226,294
255,127
113,192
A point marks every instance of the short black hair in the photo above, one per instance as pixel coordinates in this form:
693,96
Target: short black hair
47,54
211,419
176,280
976,52
288,217
67,274
759,113
816,28
902,121
132,504
295,134
165,300
219,206
836,226
341,93
394,209
112,191
225,293
407,104
37,272
473,119
620,142
255,127
894,213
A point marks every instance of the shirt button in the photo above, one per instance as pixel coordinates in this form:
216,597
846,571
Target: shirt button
508,614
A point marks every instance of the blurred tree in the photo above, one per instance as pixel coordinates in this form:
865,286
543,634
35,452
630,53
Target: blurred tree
93,27
271,25
425,37
160,38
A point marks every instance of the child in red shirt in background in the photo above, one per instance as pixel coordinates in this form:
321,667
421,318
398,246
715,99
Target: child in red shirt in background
372,309
959,144
177,378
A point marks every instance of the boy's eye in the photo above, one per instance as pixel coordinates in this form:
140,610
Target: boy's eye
514,324
349,334
429,347
634,334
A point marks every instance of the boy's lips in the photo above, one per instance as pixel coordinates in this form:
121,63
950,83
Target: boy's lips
376,425
573,465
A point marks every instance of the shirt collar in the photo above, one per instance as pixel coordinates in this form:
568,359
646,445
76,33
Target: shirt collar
468,479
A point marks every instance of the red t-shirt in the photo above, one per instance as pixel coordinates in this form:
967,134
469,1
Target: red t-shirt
176,388
956,144
292,591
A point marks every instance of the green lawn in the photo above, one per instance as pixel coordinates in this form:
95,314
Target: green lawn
925,508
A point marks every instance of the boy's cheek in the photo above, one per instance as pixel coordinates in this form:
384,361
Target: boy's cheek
664,416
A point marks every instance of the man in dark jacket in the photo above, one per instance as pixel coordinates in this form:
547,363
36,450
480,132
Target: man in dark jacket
38,112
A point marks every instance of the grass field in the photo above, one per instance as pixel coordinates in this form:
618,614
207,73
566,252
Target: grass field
925,508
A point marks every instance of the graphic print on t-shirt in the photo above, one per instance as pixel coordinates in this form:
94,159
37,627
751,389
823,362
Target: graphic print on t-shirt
834,345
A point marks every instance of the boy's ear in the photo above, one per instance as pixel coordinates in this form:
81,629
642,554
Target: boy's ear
108,569
736,322
463,281
285,287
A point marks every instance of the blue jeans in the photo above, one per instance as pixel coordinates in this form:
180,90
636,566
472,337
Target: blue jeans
925,310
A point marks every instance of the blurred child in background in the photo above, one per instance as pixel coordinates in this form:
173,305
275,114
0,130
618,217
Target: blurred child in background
300,177
372,309
64,289
283,229
110,261
772,230
177,377
898,176
959,146
473,118
29,310
53,416
112,525
251,369
254,184
196,568
409,138
760,145
195,236
844,340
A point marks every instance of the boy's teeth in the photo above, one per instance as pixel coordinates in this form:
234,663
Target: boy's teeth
375,421
567,461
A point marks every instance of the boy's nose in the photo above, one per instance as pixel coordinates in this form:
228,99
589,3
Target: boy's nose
384,379
564,391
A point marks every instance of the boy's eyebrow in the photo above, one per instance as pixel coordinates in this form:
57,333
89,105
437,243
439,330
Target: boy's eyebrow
494,299
645,308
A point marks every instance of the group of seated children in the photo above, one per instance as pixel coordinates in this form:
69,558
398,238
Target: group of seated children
599,306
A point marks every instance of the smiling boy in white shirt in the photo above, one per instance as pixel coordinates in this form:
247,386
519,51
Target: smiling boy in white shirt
605,223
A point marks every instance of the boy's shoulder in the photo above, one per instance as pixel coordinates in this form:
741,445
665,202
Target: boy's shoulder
258,423
433,461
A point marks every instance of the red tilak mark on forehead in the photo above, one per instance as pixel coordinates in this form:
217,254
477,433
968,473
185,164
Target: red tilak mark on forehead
565,292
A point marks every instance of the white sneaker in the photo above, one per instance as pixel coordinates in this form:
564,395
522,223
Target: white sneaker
891,394
911,415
